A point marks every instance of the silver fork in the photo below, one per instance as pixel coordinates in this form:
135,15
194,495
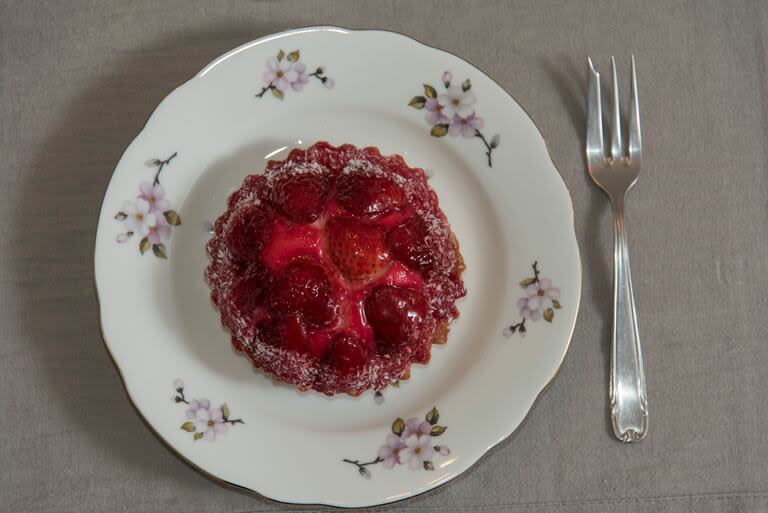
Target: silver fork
616,174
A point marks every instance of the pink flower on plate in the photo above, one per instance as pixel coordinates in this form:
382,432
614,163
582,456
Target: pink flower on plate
203,420
155,196
390,451
466,126
137,214
158,228
453,112
301,76
207,420
410,442
537,295
416,426
457,102
284,74
434,114
509,331
194,405
417,450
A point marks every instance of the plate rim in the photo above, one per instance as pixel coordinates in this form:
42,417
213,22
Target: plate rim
572,232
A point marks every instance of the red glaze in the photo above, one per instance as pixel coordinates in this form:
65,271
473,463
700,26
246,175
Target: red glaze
289,243
333,269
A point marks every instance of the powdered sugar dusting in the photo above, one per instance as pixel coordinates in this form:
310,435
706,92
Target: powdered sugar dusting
292,168
369,168
441,288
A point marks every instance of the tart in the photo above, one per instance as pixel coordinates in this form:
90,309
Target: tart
335,269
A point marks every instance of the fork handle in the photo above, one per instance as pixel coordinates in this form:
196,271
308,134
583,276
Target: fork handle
628,396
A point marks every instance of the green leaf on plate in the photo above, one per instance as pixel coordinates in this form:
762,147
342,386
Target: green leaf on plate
439,130
172,217
417,102
437,430
144,245
433,416
398,426
159,250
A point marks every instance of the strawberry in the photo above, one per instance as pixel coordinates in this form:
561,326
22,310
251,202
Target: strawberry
294,335
332,158
408,243
301,197
248,292
304,290
247,232
252,187
370,195
349,351
357,249
289,333
395,314
318,342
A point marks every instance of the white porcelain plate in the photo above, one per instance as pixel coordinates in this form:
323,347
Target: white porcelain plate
503,197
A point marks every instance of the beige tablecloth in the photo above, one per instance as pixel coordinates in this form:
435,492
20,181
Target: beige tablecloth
78,80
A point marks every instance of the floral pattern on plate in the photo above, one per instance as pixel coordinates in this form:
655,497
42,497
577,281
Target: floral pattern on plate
540,300
453,113
409,443
150,215
204,421
284,72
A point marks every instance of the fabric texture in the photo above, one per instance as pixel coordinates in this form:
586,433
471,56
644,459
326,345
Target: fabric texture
79,79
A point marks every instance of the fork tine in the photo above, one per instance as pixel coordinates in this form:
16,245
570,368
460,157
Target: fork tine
615,114
635,138
595,151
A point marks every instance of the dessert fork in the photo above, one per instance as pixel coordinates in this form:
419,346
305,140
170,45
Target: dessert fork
616,174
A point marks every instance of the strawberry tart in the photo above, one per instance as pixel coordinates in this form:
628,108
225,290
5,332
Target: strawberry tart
335,270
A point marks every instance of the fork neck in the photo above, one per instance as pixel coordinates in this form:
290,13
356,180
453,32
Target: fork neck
619,232
618,204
